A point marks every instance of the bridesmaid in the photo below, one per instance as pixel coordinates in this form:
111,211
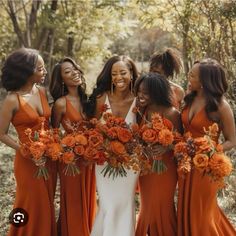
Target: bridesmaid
25,106
116,214
169,63
157,211
198,211
77,193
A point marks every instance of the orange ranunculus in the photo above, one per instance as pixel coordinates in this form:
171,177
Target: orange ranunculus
112,132
89,153
68,157
149,135
117,147
79,150
100,158
95,139
54,150
168,124
37,149
124,135
220,165
81,139
165,137
180,147
203,144
68,141
157,125
201,161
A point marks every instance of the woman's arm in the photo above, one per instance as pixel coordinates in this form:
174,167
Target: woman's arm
9,107
58,110
228,125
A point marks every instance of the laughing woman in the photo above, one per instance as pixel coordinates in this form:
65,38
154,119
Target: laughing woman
25,107
157,215
77,193
198,211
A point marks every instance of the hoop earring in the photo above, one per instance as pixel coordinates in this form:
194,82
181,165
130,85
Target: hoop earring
63,88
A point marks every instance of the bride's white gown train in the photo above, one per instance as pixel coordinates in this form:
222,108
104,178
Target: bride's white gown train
116,213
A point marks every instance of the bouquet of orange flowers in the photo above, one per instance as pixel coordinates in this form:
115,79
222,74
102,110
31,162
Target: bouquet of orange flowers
156,134
120,149
42,144
84,144
204,154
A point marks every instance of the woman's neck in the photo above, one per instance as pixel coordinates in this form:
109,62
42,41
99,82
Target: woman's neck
73,92
121,95
26,89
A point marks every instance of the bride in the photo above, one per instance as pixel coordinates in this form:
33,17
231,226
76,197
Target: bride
116,213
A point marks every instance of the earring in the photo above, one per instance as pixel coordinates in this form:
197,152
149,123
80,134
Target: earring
63,88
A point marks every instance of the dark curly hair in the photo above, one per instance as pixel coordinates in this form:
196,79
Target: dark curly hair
169,60
18,67
213,80
104,81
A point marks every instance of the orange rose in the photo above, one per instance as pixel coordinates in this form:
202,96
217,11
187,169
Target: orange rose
95,139
54,150
68,157
135,128
157,125
201,161
68,141
165,137
117,147
81,139
37,149
89,153
79,150
112,132
220,165
180,148
149,135
124,135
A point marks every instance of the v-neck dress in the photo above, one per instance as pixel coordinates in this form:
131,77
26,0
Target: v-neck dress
33,195
198,211
77,193
116,213
157,216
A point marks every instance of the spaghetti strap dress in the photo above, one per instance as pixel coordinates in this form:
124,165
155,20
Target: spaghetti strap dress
34,195
198,211
77,193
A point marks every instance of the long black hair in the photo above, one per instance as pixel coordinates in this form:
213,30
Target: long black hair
104,81
213,80
56,87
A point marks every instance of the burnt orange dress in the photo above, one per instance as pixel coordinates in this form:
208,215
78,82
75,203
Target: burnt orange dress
198,211
34,195
77,193
157,215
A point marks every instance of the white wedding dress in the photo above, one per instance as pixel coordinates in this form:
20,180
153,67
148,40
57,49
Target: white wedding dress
116,213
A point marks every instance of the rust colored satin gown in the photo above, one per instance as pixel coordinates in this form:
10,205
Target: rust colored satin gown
157,215
77,193
198,211
34,195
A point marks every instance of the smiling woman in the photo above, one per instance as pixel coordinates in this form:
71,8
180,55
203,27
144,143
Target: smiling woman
26,106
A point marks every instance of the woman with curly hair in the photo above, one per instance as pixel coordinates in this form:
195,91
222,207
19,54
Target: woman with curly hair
168,63
26,106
